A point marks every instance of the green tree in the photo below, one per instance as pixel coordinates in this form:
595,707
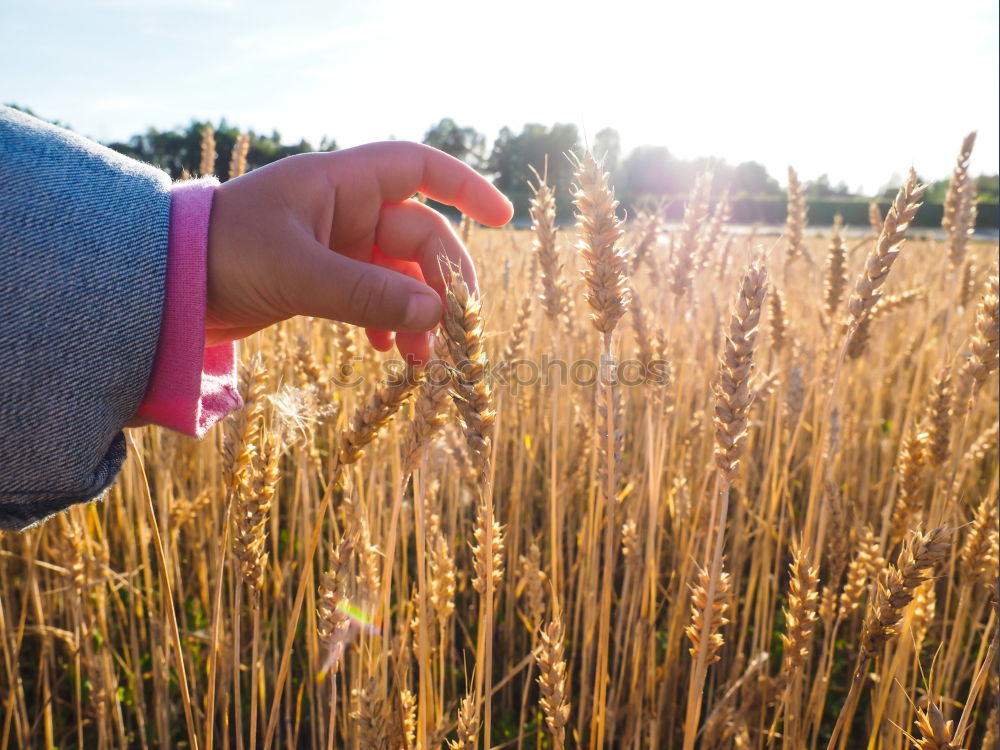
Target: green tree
648,171
988,187
179,150
751,179
535,146
29,111
819,188
465,143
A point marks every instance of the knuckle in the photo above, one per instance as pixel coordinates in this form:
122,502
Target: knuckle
368,296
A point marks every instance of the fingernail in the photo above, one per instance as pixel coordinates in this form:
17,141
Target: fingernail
422,311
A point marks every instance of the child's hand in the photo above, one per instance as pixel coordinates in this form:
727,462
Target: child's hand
334,235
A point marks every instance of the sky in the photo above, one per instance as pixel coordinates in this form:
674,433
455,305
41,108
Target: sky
859,90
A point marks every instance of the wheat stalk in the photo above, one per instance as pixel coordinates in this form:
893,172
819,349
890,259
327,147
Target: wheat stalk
370,715
894,589
800,618
464,327
607,292
389,396
887,247
682,261
732,402
333,607
732,389
795,223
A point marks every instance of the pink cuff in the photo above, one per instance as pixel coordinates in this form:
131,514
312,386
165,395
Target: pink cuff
191,387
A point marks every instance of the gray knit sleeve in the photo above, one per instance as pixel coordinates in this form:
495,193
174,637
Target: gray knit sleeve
83,247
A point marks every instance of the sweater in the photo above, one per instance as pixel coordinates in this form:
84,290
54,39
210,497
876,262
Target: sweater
102,307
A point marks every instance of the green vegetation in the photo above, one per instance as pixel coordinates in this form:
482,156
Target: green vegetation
646,172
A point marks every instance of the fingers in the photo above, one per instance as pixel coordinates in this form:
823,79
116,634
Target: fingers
380,340
415,347
383,340
414,232
402,169
329,285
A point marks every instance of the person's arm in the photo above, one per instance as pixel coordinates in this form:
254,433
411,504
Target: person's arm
83,250
84,261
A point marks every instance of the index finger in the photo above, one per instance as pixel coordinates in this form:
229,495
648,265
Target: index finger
402,169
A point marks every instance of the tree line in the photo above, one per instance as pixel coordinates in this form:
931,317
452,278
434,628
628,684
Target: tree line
515,160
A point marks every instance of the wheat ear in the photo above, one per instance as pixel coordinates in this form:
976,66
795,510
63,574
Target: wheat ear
896,585
552,680
468,725
875,218
979,553
207,164
800,615
984,345
464,329
939,419
835,283
238,158
600,232
935,732
958,183
795,224
887,247
732,390
390,395
369,715
682,262
543,245
862,568
430,412
707,620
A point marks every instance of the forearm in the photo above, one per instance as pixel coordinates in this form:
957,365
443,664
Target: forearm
83,245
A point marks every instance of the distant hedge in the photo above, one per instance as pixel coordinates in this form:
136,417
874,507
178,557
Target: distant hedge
772,211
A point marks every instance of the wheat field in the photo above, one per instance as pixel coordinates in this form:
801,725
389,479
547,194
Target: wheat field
666,487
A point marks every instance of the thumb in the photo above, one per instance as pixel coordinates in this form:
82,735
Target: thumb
325,284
